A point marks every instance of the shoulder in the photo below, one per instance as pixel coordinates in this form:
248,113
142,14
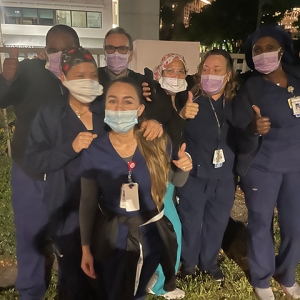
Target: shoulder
136,76
32,64
53,112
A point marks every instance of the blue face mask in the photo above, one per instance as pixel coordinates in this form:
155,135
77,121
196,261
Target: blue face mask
121,121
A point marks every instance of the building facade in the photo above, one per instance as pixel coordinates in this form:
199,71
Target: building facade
24,23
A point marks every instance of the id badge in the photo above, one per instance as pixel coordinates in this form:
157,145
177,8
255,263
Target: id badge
216,166
130,196
218,157
295,103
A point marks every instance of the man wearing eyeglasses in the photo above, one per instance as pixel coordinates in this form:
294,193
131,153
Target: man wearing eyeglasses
118,46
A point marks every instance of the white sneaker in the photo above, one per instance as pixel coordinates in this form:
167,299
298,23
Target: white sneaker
151,284
293,291
264,294
175,294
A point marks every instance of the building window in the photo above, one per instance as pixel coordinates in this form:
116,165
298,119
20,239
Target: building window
94,19
46,17
63,17
29,16
78,18
13,15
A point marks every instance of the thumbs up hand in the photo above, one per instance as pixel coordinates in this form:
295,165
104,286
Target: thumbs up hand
260,125
184,161
10,65
190,110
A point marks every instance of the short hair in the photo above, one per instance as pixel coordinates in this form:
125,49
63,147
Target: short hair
119,30
66,30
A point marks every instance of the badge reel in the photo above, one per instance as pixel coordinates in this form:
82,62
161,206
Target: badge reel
129,198
218,158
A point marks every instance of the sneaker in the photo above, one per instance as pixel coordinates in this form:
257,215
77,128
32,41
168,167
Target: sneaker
264,294
175,294
216,274
293,292
151,283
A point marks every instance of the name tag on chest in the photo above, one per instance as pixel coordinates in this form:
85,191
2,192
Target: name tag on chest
129,198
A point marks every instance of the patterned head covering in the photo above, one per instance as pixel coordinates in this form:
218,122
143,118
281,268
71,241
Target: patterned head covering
276,32
167,59
74,56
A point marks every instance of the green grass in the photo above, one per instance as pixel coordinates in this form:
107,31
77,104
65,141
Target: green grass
235,287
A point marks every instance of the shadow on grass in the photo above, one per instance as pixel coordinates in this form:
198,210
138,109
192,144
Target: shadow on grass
235,244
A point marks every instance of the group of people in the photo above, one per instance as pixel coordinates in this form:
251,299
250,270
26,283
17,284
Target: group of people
128,174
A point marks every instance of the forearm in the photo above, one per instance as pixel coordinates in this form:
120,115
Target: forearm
88,210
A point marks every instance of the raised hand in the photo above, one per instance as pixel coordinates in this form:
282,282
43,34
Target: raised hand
260,125
184,161
190,110
10,65
83,141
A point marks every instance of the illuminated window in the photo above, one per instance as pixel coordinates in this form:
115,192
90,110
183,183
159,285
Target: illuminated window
63,17
29,16
78,18
12,15
94,19
46,17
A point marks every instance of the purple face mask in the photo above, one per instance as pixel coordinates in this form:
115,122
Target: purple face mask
117,62
53,63
212,84
266,63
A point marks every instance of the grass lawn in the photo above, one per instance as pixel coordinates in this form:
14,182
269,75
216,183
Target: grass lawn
235,287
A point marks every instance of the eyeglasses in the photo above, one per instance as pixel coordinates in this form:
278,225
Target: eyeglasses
173,72
112,49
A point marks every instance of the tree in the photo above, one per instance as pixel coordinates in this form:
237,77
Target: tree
231,20
172,18
227,21
274,10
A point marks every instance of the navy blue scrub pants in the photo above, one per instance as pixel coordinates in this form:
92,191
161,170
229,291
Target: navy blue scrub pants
31,220
263,192
204,210
30,217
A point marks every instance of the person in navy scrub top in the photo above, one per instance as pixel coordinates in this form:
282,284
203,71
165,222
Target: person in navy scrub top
58,134
269,163
206,199
132,175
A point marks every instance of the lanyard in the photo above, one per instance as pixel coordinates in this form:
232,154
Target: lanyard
217,119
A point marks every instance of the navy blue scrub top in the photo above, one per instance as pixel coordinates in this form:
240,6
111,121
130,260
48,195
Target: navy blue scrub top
101,162
201,134
280,148
71,127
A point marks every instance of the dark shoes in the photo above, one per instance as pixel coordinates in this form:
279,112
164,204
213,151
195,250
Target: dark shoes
187,272
216,274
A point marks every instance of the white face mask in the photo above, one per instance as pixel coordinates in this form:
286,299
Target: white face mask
173,85
84,90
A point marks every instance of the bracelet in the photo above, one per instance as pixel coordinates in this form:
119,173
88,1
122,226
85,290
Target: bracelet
189,155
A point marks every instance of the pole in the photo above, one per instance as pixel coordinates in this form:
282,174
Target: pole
4,110
259,14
